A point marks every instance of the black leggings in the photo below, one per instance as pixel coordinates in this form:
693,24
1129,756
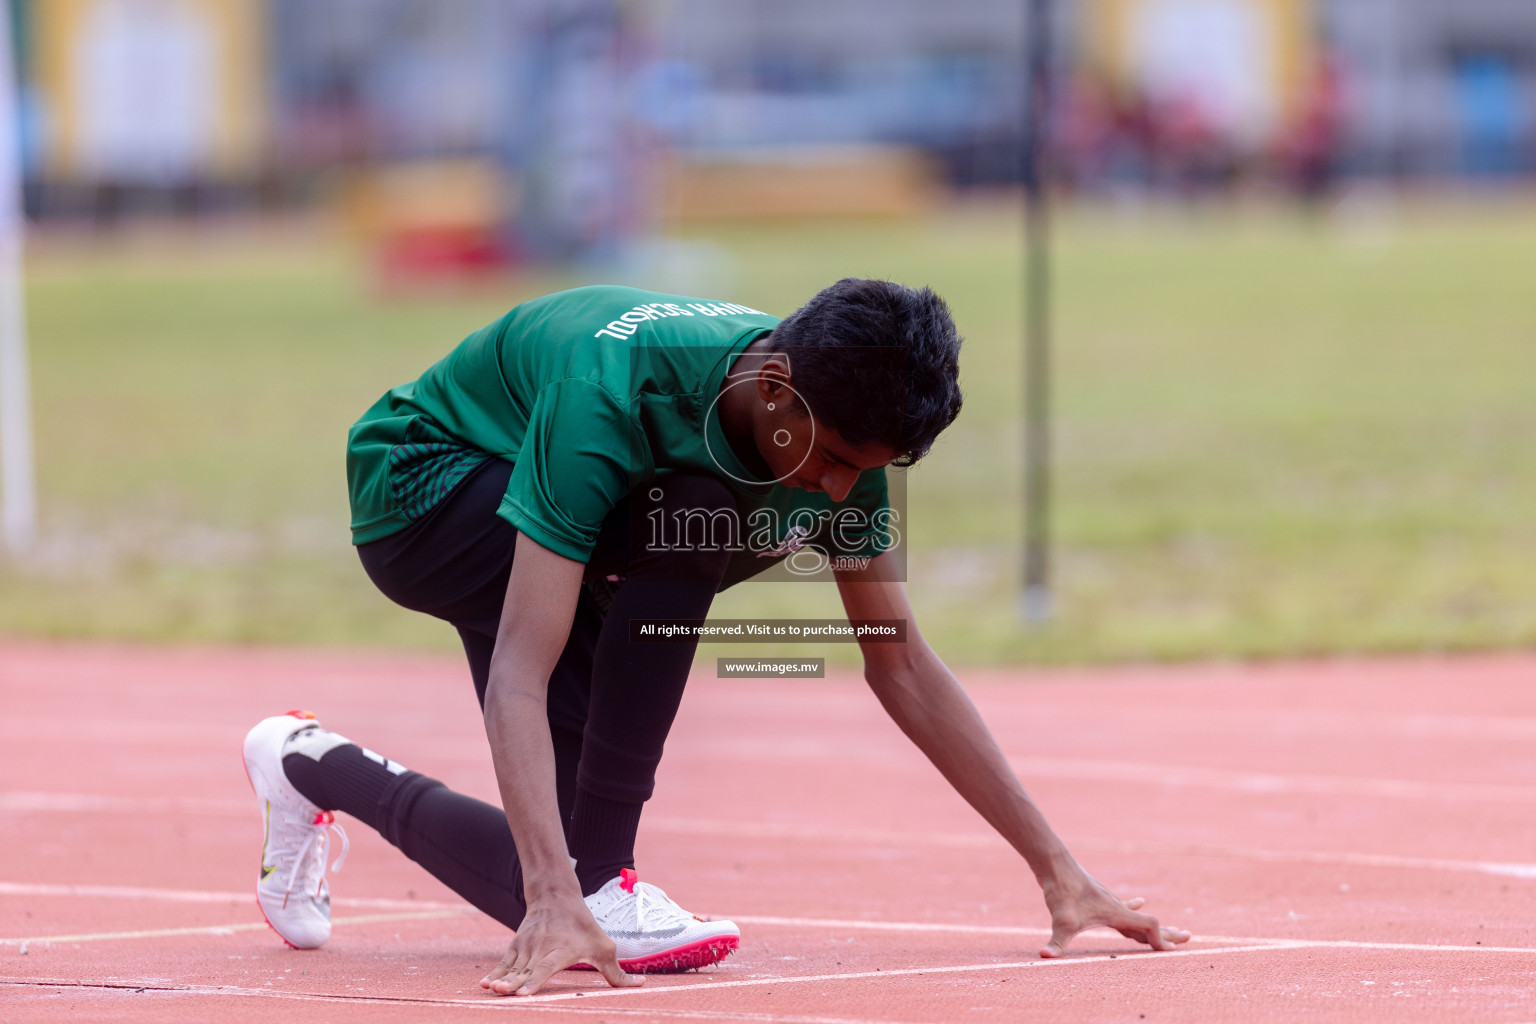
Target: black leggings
610,705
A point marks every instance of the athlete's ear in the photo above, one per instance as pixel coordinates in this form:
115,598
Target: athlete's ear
773,379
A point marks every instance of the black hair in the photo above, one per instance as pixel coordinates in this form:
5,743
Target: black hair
876,362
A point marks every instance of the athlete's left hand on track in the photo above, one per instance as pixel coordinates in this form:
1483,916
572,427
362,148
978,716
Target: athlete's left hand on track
1082,903
555,933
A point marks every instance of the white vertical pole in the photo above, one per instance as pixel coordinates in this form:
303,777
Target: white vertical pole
17,474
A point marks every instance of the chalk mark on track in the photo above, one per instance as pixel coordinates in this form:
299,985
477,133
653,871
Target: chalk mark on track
677,989
502,1004
528,1003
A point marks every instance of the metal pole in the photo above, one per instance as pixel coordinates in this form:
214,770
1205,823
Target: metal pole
16,469
1037,600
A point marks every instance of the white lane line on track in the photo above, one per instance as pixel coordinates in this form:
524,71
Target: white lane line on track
83,803
992,841
1261,783
501,1004
1028,930
1288,723
87,803
972,968
227,929
594,992
436,911
1368,860
1073,769
133,892
900,972
531,1002
90,803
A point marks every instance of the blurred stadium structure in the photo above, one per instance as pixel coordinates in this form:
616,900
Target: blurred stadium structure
560,129
1280,433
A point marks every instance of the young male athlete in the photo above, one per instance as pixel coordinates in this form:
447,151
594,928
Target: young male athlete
605,455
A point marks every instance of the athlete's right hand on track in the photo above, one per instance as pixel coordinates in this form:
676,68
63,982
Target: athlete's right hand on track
555,934
1080,903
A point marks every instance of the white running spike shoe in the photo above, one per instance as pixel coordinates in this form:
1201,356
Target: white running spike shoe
291,889
655,935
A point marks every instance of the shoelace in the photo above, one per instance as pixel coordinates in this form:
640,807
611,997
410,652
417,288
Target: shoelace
314,851
651,902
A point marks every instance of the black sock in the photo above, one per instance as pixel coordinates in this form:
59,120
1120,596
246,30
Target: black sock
602,839
344,779
463,842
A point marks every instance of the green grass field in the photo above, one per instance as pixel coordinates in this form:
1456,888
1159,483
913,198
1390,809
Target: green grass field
1277,435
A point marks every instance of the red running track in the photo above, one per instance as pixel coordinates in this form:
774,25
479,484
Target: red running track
1350,841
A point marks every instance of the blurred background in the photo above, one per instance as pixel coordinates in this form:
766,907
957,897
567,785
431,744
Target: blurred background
1293,289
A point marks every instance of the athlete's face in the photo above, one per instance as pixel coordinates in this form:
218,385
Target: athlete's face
802,452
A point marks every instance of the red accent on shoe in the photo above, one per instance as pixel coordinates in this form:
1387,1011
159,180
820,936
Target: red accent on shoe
301,713
264,917
703,953
627,879
324,818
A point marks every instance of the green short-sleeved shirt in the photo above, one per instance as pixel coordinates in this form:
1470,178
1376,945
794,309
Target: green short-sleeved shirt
588,393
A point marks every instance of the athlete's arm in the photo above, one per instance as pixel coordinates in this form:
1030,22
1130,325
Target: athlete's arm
558,929
929,705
